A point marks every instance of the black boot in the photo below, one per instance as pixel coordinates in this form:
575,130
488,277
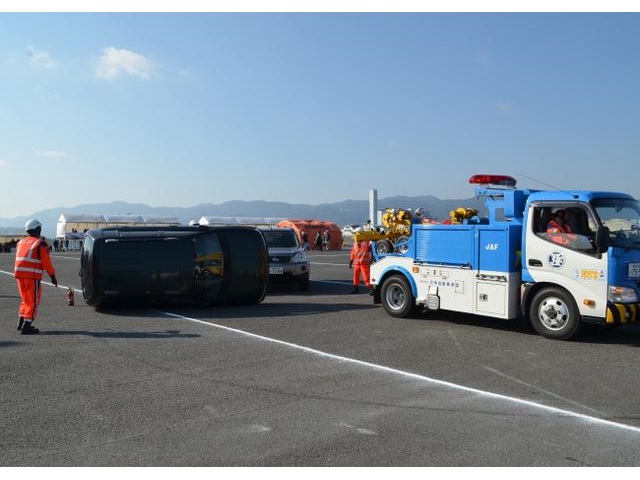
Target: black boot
355,290
29,329
20,323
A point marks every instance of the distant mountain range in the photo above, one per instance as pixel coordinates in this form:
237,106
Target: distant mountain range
342,213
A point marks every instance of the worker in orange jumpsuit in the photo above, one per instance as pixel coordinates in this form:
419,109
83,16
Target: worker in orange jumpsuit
558,228
32,259
360,261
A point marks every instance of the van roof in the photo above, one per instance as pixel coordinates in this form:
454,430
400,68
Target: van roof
158,232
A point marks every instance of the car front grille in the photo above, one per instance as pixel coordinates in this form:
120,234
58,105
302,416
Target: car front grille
279,259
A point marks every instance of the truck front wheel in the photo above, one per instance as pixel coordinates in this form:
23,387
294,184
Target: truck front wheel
397,298
554,314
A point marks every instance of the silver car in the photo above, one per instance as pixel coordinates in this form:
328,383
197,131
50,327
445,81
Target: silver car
288,262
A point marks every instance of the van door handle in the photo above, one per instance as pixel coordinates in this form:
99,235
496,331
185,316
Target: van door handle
533,262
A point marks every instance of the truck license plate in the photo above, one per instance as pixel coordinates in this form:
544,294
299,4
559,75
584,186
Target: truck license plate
275,270
634,270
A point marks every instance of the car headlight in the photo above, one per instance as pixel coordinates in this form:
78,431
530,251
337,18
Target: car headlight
622,294
299,257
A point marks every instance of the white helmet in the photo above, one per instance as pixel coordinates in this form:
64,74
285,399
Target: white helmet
32,224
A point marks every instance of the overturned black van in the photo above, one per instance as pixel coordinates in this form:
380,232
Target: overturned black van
127,265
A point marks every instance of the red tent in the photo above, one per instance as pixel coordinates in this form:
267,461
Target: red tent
312,227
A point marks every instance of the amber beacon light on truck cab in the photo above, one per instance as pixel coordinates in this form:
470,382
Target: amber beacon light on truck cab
517,262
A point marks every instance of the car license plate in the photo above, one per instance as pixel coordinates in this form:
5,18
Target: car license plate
634,270
276,270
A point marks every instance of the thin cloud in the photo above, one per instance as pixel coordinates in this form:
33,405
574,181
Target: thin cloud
3,164
115,62
185,73
50,153
482,59
40,58
45,94
504,107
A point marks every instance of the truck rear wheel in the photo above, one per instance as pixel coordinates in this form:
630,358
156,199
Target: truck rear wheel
397,298
554,314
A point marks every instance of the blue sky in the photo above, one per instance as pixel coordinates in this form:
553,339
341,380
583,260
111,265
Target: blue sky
177,109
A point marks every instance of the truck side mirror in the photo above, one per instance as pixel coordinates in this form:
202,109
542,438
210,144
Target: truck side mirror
602,239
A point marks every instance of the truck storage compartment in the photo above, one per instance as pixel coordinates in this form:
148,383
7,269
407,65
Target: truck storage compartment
445,244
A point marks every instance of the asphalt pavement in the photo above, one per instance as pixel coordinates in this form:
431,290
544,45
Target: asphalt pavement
317,378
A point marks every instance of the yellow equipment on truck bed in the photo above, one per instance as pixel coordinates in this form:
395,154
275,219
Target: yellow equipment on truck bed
397,229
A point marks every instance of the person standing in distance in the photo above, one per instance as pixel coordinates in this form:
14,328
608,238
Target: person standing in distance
32,259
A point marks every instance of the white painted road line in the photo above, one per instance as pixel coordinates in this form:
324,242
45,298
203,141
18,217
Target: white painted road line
77,290
566,413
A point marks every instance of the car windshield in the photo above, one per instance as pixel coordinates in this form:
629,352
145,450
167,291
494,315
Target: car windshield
622,217
278,239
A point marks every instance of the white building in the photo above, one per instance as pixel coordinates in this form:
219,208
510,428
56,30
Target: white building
71,226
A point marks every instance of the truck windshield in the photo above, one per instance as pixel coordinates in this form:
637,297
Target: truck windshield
622,217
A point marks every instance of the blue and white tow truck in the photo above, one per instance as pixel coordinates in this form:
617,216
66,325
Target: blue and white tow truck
507,266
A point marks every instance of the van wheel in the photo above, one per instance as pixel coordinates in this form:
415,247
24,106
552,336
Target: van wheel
397,298
554,314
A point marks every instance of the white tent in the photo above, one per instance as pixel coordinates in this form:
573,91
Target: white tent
159,220
72,225
10,234
128,219
248,221
67,222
